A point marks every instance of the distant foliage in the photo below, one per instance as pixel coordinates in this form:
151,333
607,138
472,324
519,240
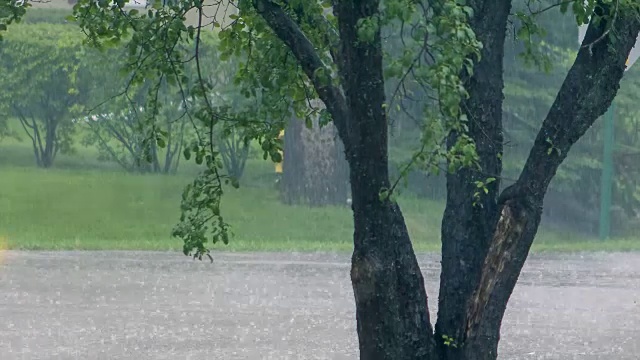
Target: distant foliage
117,129
46,16
39,68
62,90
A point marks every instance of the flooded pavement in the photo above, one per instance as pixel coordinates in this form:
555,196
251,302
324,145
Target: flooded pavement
141,305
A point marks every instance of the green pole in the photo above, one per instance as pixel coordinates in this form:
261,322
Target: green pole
607,173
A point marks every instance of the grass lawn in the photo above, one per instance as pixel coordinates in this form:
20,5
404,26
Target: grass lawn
84,204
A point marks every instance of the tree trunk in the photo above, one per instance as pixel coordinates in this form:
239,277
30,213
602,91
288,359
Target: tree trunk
467,229
340,187
391,300
292,182
314,165
155,158
325,182
47,155
391,303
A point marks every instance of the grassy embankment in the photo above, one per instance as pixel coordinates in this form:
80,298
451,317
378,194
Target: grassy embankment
89,205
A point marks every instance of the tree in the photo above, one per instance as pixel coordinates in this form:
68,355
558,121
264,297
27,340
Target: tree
314,170
486,234
231,141
10,12
39,65
234,151
117,129
118,123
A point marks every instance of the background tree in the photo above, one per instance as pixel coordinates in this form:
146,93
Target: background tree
486,234
118,124
315,172
39,68
234,151
117,129
231,140
11,11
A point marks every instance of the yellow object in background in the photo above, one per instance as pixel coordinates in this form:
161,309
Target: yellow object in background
279,165
4,245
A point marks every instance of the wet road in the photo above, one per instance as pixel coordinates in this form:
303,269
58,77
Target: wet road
131,305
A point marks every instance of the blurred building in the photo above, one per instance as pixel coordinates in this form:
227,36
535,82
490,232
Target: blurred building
213,9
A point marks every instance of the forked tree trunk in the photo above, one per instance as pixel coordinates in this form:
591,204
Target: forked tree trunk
44,141
475,289
485,246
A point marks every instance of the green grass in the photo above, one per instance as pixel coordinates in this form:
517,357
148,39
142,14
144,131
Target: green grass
90,205
76,209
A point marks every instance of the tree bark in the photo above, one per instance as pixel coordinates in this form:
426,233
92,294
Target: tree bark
340,172
467,229
313,170
325,184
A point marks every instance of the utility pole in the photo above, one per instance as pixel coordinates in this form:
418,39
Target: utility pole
606,180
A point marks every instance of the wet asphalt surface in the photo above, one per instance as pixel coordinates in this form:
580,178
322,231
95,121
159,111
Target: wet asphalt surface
141,305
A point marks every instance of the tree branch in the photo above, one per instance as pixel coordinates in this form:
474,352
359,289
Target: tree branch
548,7
587,92
304,51
605,33
105,145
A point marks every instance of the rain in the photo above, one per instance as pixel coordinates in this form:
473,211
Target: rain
177,181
